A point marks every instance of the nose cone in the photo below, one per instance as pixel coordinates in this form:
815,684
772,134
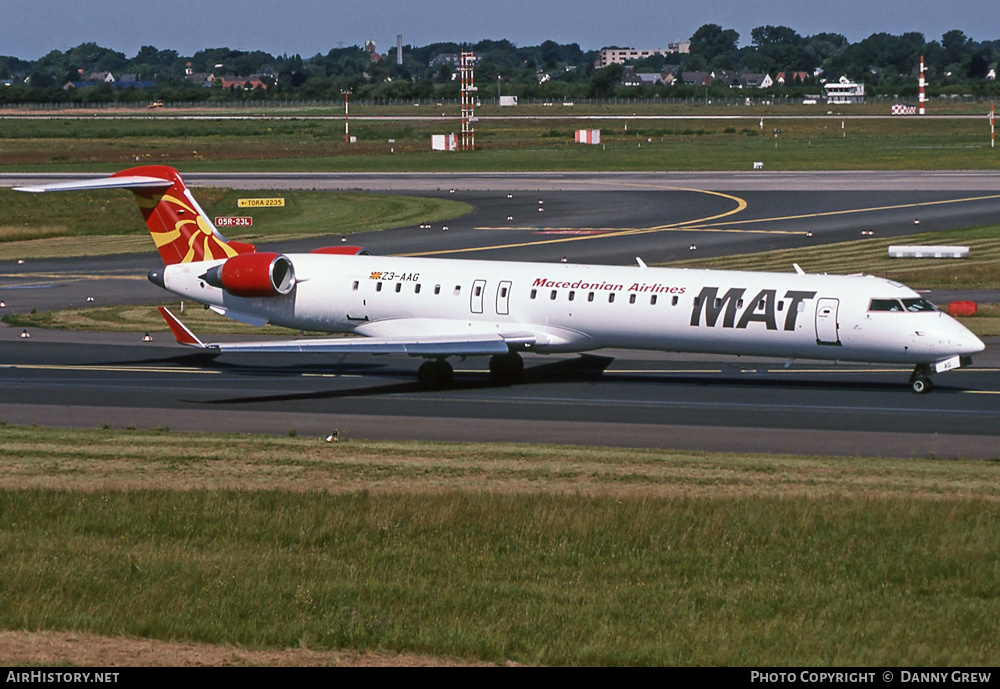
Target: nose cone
972,344
961,339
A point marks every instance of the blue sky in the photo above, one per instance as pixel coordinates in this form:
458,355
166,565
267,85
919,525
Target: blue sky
31,28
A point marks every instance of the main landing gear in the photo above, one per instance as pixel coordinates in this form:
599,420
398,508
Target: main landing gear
438,373
506,368
435,374
920,379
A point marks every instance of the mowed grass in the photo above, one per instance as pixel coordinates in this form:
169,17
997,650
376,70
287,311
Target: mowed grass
871,256
542,140
547,555
98,223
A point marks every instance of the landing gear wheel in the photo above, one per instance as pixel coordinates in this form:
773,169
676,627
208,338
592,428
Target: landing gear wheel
920,380
434,375
506,368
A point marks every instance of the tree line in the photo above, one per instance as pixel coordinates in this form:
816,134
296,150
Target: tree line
886,63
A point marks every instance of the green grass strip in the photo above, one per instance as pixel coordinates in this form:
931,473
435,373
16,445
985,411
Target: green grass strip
546,555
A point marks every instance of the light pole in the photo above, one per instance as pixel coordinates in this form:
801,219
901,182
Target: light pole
347,131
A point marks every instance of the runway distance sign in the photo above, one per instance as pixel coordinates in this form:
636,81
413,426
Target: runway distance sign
260,203
234,221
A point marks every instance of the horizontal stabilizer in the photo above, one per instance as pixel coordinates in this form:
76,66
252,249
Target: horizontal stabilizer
179,330
101,183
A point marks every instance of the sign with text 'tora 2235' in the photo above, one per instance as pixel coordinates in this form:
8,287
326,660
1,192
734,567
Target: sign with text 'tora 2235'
260,203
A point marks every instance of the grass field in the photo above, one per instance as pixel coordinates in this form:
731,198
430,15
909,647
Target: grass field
100,223
543,140
871,256
537,555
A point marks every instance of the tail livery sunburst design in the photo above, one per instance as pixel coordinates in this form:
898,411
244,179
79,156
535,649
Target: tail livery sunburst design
439,308
182,231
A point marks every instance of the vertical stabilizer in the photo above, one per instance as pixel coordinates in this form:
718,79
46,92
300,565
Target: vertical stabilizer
180,228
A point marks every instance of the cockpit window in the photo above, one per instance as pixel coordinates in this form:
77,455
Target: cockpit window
885,305
901,305
917,305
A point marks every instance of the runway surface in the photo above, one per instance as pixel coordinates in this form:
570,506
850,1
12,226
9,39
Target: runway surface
641,400
719,403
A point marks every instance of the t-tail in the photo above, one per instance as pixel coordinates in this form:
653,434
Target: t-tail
182,231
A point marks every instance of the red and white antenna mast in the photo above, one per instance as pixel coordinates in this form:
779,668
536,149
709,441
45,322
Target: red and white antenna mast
922,82
466,68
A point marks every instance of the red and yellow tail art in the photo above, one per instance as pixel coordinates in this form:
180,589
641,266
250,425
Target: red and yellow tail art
181,230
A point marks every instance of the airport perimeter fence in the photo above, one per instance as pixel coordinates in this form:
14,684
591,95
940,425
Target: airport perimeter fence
493,102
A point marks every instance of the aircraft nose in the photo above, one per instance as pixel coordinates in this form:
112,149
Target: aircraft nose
963,340
972,344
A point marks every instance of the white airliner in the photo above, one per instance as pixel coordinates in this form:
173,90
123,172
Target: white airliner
440,308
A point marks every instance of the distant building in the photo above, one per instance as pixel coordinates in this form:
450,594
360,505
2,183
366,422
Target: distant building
372,54
619,56
844,91
749,80
697,78
240,83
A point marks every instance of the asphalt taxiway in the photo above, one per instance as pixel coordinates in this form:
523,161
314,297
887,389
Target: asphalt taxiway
642,399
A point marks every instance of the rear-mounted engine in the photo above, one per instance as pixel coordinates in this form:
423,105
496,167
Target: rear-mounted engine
253,275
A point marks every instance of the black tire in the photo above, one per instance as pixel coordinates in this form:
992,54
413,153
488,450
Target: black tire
506,368
434,375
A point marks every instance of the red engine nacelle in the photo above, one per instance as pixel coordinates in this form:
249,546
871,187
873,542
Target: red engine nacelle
253,275
343,250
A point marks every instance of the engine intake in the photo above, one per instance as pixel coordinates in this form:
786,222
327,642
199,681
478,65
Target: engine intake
253,275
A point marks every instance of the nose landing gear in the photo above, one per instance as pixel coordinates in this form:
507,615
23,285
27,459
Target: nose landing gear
920,379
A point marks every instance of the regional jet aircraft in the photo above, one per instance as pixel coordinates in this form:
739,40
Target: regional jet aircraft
441,308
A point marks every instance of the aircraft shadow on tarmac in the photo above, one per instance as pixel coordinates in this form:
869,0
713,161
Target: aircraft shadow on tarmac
587,368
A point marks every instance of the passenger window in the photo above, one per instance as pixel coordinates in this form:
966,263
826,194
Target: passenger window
673,302
652,300
503,292
378,286
590,296
355,286
631,299
479,290
611,298
399,286
534,293
437,289
458,290
416,288
571,295
553,295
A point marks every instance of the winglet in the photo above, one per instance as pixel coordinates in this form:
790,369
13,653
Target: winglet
180,331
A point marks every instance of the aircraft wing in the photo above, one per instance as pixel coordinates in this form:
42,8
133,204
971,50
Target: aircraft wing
447,345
